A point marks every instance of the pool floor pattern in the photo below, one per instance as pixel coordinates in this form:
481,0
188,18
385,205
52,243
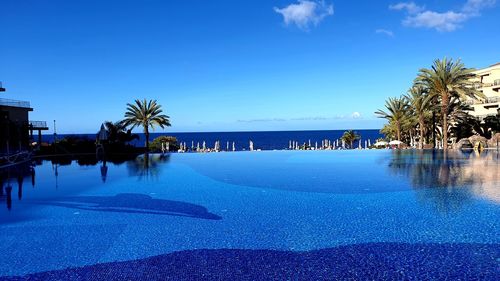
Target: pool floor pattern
237,217
371,261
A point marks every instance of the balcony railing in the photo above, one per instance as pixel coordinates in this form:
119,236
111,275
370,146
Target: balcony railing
478,86
484,116
38,124
492,100
485,101
15,103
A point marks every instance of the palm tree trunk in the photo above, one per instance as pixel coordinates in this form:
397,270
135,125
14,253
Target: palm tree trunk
398,128
411,136
352,144
444,111
421,140
146,134
434,124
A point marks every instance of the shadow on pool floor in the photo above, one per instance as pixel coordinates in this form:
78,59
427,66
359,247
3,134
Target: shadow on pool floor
373,261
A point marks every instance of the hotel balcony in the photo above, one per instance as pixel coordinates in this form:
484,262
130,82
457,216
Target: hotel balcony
15,103
496,85
38,125
492,100
485,101
481,117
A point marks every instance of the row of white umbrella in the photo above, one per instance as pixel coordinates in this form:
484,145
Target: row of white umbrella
384,143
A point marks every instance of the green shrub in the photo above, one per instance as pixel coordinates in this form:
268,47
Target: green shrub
155,145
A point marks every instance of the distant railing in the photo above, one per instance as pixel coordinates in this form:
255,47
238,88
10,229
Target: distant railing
38,124
487,100
484,116
492,100
15,103
478,86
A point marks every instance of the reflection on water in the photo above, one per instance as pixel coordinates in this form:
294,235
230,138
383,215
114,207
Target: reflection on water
147,165
131,203
13,178
449,179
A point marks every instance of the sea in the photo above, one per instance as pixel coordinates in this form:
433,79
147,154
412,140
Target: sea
264,140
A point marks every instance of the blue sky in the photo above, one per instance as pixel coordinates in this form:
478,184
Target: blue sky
232,65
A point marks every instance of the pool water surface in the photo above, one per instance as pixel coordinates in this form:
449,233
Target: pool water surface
285,215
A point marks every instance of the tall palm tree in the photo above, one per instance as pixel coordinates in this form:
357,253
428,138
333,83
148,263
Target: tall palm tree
349,137
146,114
396,113
448,78
419,101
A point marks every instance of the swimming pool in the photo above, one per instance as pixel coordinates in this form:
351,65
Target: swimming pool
286,215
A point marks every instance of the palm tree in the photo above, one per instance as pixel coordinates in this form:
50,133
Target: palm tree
396,113
349,137
448,78
388,130
146,114
118,133
147,166
419,101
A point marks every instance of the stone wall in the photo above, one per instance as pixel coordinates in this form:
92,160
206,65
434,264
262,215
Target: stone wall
494,141
472,141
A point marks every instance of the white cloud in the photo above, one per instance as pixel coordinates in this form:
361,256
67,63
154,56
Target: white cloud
305,13
356,115
473,7
448,21
418,16
385,32
410,7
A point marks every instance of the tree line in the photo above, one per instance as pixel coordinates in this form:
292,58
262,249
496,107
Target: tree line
434,109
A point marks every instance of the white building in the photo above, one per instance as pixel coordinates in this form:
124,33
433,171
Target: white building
488,82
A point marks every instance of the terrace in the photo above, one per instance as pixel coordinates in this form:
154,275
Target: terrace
37,126
20,110
484,101
482,117
496,85
15,103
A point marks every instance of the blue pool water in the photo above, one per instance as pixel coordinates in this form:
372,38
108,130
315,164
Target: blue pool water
285,215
